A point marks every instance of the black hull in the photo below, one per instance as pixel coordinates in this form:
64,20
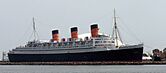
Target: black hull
132,54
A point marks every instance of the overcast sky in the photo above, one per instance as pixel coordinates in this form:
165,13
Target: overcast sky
143,20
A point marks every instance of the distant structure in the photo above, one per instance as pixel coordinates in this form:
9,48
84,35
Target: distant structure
159,55
4,56
164,53
156,55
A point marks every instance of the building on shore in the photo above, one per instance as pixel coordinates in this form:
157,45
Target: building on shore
159,55
4,56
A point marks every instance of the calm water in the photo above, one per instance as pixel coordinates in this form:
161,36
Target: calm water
82,69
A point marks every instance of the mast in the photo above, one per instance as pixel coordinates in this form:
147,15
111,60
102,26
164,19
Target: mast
115,27
34,30
116,35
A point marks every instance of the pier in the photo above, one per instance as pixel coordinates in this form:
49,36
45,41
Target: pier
85,63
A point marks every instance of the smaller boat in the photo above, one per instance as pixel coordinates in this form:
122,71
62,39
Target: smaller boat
146,57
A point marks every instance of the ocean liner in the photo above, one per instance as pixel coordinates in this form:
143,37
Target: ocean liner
97,47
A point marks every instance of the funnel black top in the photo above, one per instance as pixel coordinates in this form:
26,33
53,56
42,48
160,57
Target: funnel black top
55,32
94,26
74,29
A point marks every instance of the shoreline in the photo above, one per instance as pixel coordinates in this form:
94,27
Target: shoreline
85,63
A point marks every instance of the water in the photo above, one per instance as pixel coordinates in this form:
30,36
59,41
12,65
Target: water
82,68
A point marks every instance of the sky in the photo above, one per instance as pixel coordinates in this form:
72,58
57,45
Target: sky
138,20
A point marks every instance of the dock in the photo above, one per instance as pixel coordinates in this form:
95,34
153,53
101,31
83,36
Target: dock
85,63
